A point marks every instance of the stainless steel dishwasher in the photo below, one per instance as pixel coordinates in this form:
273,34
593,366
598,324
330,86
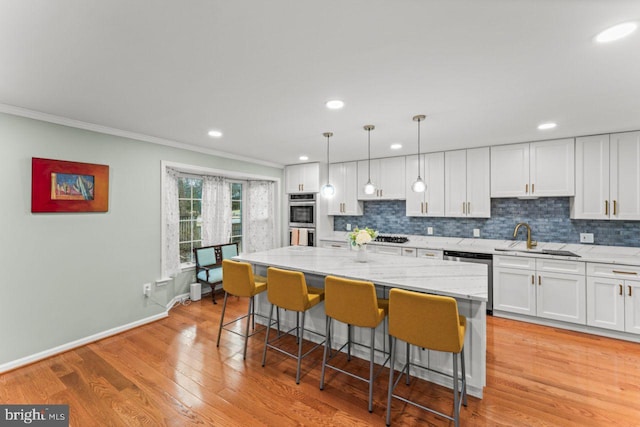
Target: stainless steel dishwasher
478,258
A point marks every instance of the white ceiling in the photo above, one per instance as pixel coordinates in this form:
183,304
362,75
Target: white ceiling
484,72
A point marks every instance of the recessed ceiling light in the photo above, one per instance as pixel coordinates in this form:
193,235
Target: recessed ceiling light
545,126
215,133
616,32
334,104
396,146
304,158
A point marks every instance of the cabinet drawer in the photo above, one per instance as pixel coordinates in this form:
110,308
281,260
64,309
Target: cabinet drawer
613,270
558,266
334,245
410,252
514,262
430,254
387,250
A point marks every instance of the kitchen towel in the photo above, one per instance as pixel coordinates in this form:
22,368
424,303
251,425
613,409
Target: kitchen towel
303,238
295,236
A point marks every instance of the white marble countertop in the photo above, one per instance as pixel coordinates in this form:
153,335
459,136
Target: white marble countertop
455,279
588,253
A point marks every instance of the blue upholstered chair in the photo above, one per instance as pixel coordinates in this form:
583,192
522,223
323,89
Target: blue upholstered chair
209,264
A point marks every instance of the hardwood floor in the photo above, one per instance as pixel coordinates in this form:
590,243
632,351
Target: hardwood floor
171,373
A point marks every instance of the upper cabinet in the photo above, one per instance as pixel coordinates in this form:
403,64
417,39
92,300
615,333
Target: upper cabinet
467,178
607,177
388,175
537,169
431,201
344,177
303,178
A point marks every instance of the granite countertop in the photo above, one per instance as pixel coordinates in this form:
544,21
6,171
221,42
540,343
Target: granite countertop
455,279
588,253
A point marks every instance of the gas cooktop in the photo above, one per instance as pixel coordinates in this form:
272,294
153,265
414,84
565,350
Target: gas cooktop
392,239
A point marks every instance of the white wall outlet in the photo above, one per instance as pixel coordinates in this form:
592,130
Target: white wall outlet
586,237
348,227
430,231
476,232
146,289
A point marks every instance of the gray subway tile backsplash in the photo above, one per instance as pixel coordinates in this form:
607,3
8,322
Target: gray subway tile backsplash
548,217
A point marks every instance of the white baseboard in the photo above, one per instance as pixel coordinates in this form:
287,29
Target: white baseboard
78,343
176,299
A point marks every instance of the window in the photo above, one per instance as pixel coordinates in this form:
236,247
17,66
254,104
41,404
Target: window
236,213
190,205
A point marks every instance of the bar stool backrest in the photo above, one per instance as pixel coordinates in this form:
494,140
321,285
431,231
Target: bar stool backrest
427,321
287,289
237,278
352,301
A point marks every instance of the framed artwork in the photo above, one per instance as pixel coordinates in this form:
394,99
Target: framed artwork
61,186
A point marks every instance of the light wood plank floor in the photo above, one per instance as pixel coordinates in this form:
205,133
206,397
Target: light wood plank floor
171,373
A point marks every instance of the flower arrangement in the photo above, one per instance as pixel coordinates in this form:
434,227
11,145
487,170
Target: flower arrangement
361,236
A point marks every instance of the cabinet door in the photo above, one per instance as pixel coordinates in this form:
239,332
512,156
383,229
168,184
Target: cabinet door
304,178
336,178
514,291
478,183
510,170
561,297
605,303
625,176
414,202
351,205
552,168
455,183
431,202
363,177
391,175
592,178
632,306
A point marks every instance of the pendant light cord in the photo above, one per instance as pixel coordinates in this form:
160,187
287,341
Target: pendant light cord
369,151
328,180
418,148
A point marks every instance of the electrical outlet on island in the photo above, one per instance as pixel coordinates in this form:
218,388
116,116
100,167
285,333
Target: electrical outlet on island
348,227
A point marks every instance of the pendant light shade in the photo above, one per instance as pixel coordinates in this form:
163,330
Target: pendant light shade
328,190
419,186
369,187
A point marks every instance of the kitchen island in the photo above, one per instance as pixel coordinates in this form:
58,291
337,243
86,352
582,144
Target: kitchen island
467,283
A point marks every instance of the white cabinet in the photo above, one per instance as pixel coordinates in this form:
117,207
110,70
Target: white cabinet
303,178
613,297
607,177
344,177
431,201
537,169
334,245
546,288
430,254
467,178
387,174
387,250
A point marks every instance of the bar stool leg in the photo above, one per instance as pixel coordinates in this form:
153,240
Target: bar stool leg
464,379
456,397
253,313
300,349
266,338
392,349
408,362
224,307
372,355
326,351
246,331
349,343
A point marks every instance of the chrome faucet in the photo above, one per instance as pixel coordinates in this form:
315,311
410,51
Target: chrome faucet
530,244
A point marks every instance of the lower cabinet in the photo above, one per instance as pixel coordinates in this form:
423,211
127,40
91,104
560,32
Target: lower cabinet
613,301
545,288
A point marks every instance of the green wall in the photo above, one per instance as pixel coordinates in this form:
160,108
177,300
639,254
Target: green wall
66,277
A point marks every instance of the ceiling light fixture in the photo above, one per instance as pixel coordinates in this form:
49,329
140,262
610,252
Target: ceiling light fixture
304,158
616,32
396,146
328,190
546,126
334,104
369,187
419,185
215,133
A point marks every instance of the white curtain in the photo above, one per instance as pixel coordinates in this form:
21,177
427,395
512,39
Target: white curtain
172,223
216,210
260,230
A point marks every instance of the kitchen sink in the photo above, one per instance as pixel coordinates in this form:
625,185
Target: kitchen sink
558,252
555,252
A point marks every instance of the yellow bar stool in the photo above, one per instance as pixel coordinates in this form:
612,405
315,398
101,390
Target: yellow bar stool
238,280
355,303
430,322
288,289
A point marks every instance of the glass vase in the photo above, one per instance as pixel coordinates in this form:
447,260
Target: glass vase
361,254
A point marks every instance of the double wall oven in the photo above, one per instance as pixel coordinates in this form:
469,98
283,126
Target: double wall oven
302,219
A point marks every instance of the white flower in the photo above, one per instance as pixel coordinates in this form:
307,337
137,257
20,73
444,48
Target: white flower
360,237
363,237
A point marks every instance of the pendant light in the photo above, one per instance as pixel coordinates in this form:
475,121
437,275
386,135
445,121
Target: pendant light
419,185
328,190
369,187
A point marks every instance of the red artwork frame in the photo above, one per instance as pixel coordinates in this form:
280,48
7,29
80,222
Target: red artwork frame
52,189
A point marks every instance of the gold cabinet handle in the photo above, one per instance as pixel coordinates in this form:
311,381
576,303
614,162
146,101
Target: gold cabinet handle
468,208
615,207
634,273
629,287
429,254
539,280
463,208
526,188
533,188
606,207
409,251
533,280
426,207
619,289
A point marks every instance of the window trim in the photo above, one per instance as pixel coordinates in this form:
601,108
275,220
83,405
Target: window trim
201,170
